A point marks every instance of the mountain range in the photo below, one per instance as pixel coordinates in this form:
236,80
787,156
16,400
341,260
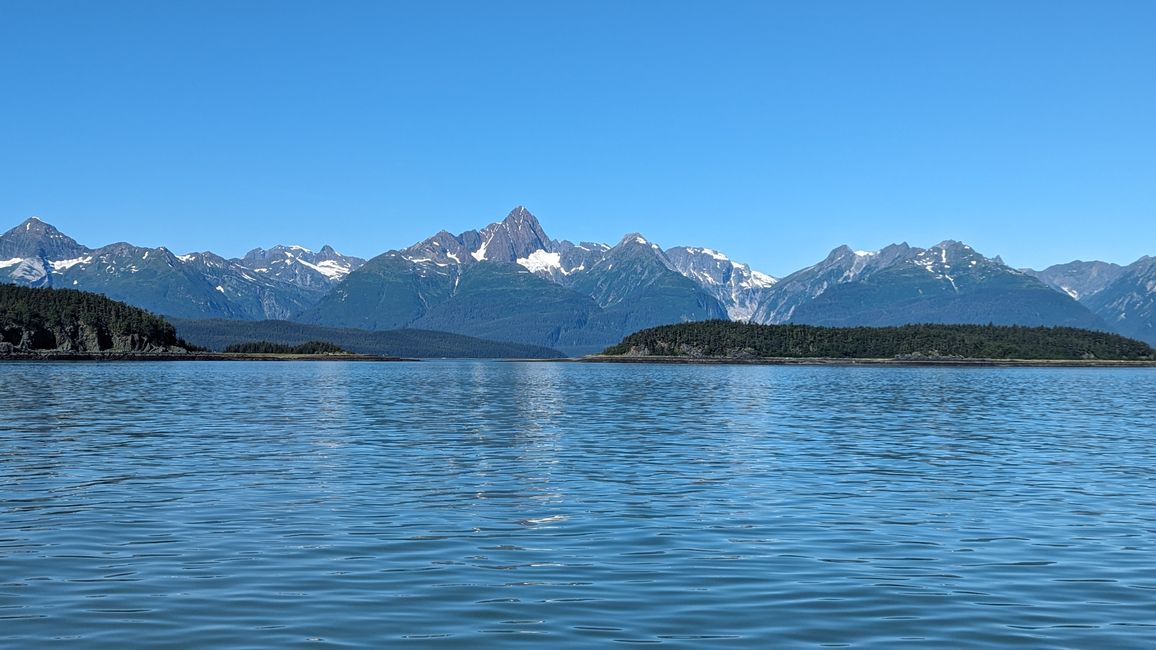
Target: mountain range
510,281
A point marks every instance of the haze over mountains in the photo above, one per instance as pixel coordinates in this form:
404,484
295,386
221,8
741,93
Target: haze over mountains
511,282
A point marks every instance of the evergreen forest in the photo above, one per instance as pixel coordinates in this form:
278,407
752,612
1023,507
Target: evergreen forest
728,339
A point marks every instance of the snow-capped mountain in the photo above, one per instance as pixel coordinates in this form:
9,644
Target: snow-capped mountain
32,251
734,284
510,281
197,285
313,271
518,238
947,283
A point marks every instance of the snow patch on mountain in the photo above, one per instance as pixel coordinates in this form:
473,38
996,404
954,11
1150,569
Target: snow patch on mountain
67,264
31,271
480,254
329,268
760,279
542,262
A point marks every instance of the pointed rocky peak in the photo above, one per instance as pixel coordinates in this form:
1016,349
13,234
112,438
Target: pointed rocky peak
520,215
843,264
516,236
37,226
633,238
37,239
840,253
635,249
329,254
635,241
524,227
842,261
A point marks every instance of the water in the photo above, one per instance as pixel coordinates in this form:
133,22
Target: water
458,504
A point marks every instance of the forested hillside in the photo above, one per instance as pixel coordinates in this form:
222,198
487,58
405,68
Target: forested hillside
730,339
33,319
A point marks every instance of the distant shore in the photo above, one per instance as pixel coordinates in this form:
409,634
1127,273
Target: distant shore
190,356
827,361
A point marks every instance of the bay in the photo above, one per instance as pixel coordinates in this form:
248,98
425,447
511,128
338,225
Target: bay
468,503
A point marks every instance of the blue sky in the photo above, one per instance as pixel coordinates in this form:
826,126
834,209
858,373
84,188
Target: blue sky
772,131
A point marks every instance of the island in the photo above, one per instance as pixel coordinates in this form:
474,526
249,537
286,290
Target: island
719,341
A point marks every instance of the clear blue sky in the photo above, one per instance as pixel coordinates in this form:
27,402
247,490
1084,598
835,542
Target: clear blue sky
772,131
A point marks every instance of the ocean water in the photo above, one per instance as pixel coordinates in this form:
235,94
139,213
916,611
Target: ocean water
490,504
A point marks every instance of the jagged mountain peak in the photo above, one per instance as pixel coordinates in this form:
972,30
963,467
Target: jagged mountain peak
844,255
516,236
37,225
521,220
633,238
519,215
635,246
300,266
35,238
735,285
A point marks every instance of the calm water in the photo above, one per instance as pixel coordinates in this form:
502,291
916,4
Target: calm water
482,503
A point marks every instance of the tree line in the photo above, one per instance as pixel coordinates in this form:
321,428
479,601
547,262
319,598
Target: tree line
266,347
720,338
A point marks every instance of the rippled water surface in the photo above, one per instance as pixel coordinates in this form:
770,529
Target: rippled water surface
484,503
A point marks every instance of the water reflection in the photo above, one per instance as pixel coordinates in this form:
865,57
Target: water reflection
478,503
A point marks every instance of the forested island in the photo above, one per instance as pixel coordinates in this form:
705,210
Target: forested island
728,340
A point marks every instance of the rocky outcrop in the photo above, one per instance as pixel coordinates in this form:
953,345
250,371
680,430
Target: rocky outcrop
80,337
34,320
